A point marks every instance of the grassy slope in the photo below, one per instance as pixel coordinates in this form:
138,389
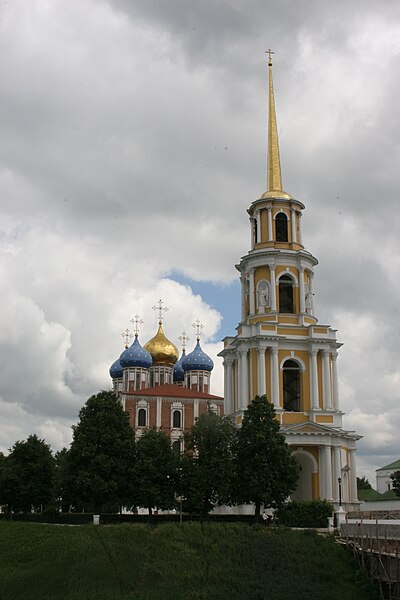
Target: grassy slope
136,562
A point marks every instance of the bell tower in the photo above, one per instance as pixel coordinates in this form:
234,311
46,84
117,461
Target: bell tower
280,349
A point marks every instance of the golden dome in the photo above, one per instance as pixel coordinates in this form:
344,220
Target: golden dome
161,349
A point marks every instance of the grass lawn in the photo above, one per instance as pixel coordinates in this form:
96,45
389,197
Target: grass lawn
169,562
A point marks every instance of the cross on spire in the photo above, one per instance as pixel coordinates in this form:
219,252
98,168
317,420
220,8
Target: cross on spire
160,309
127,336
270,53
184,338
198,328
136,322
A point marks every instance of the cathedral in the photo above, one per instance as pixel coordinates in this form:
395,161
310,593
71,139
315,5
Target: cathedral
159,389
281,350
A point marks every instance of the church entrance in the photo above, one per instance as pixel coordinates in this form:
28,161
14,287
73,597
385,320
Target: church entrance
304,486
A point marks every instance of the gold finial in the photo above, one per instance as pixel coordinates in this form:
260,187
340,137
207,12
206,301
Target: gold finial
274,177
127,336
160,309
183,339
136,322
270,53
198,328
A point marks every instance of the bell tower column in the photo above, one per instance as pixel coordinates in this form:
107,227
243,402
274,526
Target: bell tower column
272,287
261,371
270,236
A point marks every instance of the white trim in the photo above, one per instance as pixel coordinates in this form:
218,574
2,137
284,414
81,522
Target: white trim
292,356
291,275
309,455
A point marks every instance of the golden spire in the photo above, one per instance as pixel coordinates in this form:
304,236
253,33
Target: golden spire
274,177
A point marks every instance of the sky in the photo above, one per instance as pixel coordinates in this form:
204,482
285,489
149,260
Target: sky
133,139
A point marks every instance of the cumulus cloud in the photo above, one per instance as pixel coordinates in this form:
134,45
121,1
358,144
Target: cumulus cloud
133,140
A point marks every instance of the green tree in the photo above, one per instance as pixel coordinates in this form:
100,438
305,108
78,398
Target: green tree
395,477
207,466
27,476
99,467
266,471
363,483
156,471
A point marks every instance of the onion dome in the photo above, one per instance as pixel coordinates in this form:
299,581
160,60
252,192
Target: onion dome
197,360
179,373
163,351
135,356
116,370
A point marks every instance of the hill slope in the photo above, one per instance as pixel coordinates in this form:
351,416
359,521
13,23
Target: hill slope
193,562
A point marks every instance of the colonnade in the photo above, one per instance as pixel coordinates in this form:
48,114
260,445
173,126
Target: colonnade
238,393
331,469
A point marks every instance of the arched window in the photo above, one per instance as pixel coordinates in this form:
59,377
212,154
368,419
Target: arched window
142,417
291,386
286,303
281,227
138,379
176,446
177,419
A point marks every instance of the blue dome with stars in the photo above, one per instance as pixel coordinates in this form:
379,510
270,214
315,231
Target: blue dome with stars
197,360
136,356
116,370
179,373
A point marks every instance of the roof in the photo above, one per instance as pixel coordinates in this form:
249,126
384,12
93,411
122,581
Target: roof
393,465
169,390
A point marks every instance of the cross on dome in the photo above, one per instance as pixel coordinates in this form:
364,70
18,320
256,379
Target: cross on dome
198,328
160,309
126,335
183,339
136,322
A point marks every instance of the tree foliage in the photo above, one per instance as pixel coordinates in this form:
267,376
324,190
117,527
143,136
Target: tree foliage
155,471
395,477
27,475
207,466
363,483
266,471
99,466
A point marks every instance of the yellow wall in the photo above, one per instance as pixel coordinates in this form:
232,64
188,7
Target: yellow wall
260,273
324,419
264,226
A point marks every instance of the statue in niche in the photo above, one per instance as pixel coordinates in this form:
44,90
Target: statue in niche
263,296
308,299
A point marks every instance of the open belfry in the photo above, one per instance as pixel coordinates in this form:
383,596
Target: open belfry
280,349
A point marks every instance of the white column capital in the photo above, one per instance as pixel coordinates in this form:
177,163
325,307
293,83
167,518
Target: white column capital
274,350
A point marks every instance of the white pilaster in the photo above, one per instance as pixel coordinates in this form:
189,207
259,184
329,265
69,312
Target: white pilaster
228,386
311,279
270,235
293,222
272,287
314,379
252,236
244,380
158,413
275,376
327,470
196,408
262,387
300,236
353,475
302,290
336,471
250,363
243,286
326,379
335,382
251,292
